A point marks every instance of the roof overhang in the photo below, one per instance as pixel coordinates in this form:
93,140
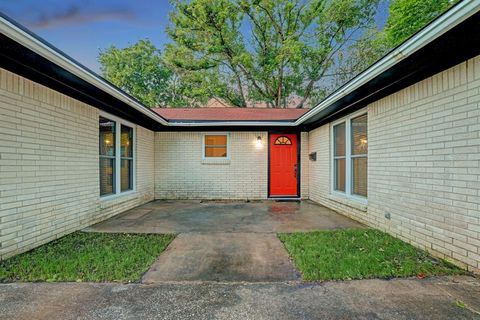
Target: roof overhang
26,54
450,39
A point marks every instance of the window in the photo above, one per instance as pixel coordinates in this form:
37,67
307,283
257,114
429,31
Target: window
359,155
116,156
126,158
339,156
107,157
350,156
215,146
282,140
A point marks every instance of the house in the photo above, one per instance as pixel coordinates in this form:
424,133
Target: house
397,147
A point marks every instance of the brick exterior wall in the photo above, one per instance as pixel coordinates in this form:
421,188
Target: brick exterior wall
49,171
181,173
304,165
424,165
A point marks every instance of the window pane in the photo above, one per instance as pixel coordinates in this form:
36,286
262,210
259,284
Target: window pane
218,152
107,137
126,175
339,140
359,135
340,175
126,142
107,174
216,140
359,176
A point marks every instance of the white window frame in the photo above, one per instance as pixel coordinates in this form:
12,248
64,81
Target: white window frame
348,157
118,122
216,134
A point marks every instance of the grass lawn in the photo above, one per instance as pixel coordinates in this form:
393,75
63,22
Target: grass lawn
360,254
87,257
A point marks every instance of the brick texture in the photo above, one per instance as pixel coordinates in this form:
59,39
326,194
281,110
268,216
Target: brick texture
180,172
424,165
49,171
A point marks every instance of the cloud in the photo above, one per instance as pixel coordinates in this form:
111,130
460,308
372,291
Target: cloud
76,15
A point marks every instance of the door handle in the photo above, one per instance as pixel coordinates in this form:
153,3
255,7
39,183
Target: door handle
295,170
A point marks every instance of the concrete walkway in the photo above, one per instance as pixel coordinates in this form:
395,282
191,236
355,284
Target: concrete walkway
224,240
436,298
223,257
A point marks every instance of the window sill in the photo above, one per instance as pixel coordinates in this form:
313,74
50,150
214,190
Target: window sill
216,161
358,204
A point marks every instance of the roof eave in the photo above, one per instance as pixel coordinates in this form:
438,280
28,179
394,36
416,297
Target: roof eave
25,38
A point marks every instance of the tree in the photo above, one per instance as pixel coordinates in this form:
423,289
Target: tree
406,17
139,70
289,49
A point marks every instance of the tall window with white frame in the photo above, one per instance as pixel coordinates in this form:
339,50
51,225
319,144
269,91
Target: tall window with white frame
339,156
107,156
116,156
350,156
126,154
359,147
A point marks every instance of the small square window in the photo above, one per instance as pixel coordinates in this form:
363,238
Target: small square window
215,146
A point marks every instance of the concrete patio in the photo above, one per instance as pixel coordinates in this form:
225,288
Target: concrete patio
187,216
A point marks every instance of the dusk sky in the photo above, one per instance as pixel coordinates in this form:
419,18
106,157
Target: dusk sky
82,27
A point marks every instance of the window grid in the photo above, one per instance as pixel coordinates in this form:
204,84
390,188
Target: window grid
117,157
349,156
215,146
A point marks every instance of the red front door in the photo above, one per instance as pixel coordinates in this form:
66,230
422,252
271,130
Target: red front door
283,165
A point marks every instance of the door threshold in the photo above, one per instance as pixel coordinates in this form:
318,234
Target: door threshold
285,199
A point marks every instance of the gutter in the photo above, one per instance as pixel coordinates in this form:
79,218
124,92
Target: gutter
232,123
445,22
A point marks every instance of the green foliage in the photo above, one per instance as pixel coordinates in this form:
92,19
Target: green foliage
406,17
289,48
360,254
274,51
138,70
87,257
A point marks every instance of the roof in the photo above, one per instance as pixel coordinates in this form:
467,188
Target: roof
217,102
229,114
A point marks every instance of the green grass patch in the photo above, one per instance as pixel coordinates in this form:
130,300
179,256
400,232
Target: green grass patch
360,254
83,256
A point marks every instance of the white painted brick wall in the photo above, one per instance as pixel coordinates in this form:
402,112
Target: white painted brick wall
304,165
180,172
49,184
424,165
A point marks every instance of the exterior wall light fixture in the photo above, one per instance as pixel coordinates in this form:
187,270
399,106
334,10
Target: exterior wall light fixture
259,143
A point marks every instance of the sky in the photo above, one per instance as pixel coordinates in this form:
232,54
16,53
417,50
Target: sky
81,28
